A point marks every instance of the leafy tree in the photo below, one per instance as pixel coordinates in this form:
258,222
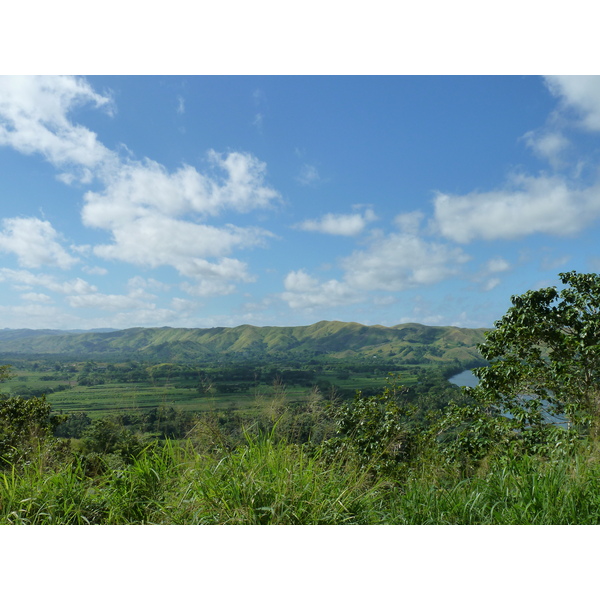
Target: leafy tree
545,358
105,436
377,430
74,425
26,427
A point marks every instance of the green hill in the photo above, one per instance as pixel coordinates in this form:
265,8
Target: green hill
406,343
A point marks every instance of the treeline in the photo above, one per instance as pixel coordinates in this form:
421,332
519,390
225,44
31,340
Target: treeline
53,376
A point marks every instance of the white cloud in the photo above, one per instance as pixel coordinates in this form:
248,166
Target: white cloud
497,265
35,243
490,284
141,205
487,275
409,222
528,205
27,280
581,93
35,316
151,213
33,119
37,298
95,270
402,261
137,283
548,144
155,241
243,190
214,279
207,288
145,208
181,305
392,263
108,302
137,189
332,224
306,292
75,286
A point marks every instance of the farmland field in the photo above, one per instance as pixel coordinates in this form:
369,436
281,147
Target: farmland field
95,390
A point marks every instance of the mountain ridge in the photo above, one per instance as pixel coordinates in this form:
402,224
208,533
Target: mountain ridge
406,342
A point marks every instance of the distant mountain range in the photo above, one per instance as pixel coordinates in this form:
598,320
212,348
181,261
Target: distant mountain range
407,343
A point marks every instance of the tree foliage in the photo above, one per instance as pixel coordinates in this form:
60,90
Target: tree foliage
26,427
545,357
378,431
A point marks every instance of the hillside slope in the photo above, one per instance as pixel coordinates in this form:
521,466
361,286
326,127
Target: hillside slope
406,343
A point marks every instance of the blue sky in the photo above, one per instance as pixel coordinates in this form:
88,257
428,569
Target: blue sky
203,201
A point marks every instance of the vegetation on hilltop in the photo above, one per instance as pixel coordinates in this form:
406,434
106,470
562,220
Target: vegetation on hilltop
408,343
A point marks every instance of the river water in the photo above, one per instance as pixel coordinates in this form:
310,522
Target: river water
467,378
464,378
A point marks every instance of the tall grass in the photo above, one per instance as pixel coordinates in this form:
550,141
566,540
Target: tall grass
264,482
268,481
522,491
271,482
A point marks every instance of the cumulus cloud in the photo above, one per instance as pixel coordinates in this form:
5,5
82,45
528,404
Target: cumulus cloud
528,205
214,278
75,286
487,276
548,144
332,224
140,188
306,292
35,242
36,316
34,119
108,302
36,298
497,265
401,261
156,241
181,305
580,93
26,280
148,210
139,284
409,222
95,270
392,263
155,217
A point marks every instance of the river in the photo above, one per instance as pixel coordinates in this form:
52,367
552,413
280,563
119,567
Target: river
464,378
467,378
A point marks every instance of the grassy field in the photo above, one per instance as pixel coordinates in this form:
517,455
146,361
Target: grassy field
110,397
